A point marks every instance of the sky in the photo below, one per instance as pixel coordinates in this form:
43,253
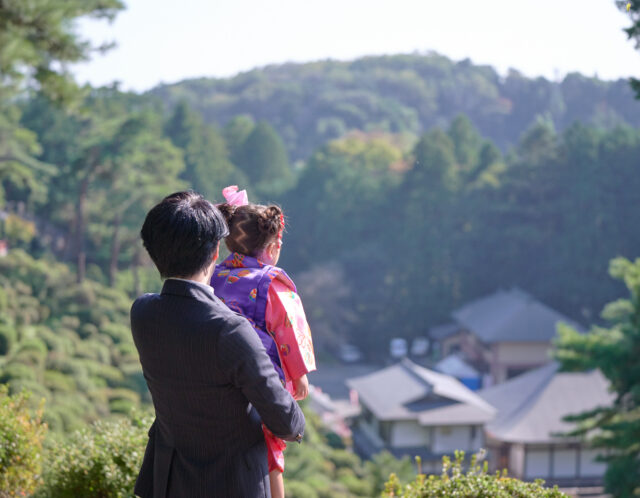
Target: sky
164,41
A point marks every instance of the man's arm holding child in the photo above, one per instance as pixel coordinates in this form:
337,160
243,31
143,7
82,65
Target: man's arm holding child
245,360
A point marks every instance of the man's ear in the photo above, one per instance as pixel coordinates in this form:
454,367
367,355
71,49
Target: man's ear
216,254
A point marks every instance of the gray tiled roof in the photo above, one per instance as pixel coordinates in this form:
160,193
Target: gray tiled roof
440,332
456,366
511,315
531,406
407,391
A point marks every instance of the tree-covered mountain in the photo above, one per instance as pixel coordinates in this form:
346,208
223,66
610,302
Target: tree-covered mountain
311,103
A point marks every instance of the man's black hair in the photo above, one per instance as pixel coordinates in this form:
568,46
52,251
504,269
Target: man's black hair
182,233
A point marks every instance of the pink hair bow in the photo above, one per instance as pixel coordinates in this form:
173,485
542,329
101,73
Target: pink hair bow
235,198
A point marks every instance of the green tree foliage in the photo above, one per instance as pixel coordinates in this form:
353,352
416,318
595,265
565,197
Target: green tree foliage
344,201
113,163
37,40
235,133
419,232
428,192
466,142
208,168
613,350
36,37
145,166
21,435
633,31
312,103
263,158
473,482
559,193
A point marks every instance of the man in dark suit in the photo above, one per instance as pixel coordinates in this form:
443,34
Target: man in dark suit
210,378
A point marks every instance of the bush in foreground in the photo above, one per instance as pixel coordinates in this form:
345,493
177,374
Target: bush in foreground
21,434
101,461
476,482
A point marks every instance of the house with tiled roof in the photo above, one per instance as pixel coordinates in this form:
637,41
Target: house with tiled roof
501,335
410,410
524,436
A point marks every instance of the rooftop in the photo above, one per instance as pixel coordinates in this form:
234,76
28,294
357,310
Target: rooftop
510,316
531,406
406,391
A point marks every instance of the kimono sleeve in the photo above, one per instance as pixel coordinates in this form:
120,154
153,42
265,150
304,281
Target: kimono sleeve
287,323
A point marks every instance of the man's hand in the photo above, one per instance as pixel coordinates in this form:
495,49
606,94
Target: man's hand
301,388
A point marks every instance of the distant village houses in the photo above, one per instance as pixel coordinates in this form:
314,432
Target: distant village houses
501,335
524,435
410,410
502,341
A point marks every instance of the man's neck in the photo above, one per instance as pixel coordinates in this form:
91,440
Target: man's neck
201,278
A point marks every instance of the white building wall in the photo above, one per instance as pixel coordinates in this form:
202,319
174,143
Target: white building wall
537,463
408,433
523,353
516,460
450,438
478,441
565,463
588,466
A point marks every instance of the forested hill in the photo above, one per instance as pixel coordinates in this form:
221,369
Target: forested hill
311,103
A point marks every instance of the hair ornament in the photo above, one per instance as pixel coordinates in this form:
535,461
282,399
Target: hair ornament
235,198
281,229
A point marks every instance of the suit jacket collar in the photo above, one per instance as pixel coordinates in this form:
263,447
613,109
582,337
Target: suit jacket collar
188,288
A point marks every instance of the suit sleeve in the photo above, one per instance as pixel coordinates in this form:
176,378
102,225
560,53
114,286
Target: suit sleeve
245,361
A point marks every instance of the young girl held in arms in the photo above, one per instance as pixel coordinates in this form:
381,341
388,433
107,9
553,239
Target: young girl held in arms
249,283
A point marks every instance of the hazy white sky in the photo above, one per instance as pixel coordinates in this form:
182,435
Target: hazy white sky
169,40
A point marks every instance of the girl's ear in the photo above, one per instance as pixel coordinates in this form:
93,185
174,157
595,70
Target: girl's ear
273,249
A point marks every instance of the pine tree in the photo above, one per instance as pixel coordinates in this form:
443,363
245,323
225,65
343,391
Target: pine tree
615,351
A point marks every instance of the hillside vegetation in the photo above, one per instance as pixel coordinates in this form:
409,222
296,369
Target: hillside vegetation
313,102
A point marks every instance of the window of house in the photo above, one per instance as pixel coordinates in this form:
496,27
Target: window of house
385,431
515,371
366,414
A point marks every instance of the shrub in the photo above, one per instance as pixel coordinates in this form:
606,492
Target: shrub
8,336
93,350
476,482
57,381
298,489
21,435
100,461
37,390
33,344
15,370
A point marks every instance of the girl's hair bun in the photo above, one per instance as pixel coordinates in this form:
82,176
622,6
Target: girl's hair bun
270,220
227,211
251,227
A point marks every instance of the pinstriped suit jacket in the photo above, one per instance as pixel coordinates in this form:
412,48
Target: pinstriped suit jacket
212,385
